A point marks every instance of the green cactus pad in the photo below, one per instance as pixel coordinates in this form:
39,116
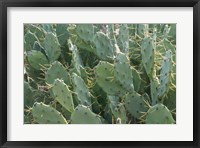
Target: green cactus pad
52,47
154,85
120,113
29,40
85,32
81,90
85,46
113,100
57,70
63,95
142,30
135,104
159,114
105,79
123,72
48,28
172,32
124,38
104,47
62,33
136,79
148,54
170,101
117,109
110,30
165,74
36,59
38,47
77,62
28,95
37,31
45,114
83,115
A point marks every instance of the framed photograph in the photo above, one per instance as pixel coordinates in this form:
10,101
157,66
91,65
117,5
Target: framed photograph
104,73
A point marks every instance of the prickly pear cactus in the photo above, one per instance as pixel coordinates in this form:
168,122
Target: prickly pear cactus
52,47
83,115
63,95
28,95
104,47
106,80
45,114
62,33
77,62
165,74
37,59
148,54
135,104
136,79
159,114
37,31
57,71
100,73
81,90
85,32
123,71
38,47
118,110
29,39
154,84
124,37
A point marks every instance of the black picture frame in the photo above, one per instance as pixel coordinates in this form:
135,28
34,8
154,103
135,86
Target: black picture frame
4,4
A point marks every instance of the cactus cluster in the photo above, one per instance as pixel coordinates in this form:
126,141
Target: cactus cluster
99,73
